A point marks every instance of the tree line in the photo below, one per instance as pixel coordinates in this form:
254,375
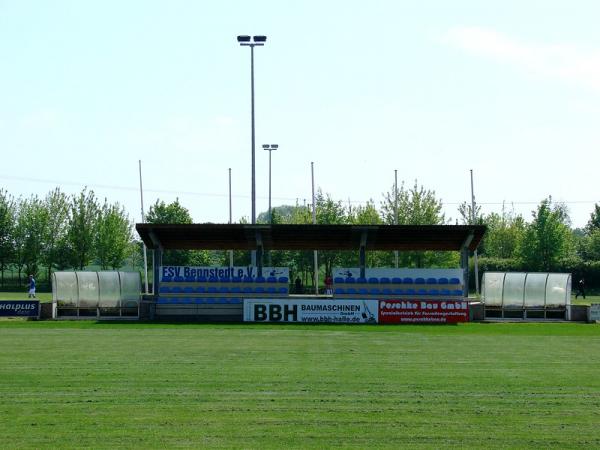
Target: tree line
61,232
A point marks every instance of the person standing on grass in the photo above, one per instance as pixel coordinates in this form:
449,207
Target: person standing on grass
580,289
31,287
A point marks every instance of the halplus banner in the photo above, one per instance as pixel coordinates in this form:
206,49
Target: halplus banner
19,308
310,311
222,271
423,311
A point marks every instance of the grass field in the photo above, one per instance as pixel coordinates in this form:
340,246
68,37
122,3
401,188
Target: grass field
117,385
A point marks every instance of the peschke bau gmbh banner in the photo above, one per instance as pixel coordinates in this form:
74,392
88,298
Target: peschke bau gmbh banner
423,311
310,311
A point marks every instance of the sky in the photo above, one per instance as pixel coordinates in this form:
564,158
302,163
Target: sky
433,89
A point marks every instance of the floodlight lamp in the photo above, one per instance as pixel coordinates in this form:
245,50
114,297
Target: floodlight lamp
275,146
259,38
243,38
266,146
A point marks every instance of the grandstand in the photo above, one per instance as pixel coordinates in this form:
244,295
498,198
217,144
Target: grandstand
219,293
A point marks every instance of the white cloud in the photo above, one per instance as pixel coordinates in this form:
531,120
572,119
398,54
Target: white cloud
576,65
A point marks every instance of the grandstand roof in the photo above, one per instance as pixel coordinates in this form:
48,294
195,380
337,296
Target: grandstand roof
310,237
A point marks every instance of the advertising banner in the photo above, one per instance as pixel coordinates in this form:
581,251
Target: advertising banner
310,311
354,272
423,311
20,308
222,271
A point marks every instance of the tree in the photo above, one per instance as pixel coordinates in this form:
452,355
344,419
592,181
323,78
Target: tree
416,206
113,236
503,236
594,222
7,225
54,246
172,213
547,239
466,214
82,228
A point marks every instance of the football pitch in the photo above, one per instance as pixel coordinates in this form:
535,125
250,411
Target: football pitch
130,385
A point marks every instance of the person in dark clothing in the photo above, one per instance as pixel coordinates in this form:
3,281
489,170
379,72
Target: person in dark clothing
580,289
298,285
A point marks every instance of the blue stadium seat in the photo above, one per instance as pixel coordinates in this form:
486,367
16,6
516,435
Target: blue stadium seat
212,289
283,280
454,281
444,292
236,300
200,289
259,290
236,280
166,279
186,301
188,289
361,280
247,290
221,300
410,292
419,280
338,280
162,300
211,301
386,291
350,280
260,280
223,290
176,290
190,279
373,280
178,279
374,291
248,279
384,280
457,292
282,290
271,279
198,301
339,291
442,280
174,300
422,292
213,279
407,280
271,290
201,279
164,289
351,291
225,280
363,291
431,280
235,290
433,292
397,280
398,291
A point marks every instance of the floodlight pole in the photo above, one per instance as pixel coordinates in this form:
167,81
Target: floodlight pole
473,219
314,218
245,41
270,148
230,251
143,220
396,210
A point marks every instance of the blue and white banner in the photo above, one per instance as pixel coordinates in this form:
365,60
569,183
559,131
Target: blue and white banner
310,311
222,271
354,272
19,308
